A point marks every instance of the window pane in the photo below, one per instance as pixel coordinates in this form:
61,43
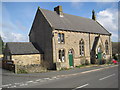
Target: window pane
106,47
63,56
60,54
62,37
81,46
59,37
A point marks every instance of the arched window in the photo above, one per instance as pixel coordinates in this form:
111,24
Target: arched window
106,47
62,55
81,47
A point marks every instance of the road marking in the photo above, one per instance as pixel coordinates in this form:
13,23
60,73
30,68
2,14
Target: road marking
23,84
17,83
29,81
46,78
59,76
6,85
13,86
55,77
81,86
38,80
106,77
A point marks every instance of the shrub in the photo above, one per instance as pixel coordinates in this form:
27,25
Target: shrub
87,62
21,71
79,66
109,61
115,57
96,61
103,61
82,61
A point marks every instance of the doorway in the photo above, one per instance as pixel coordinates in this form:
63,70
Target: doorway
70,54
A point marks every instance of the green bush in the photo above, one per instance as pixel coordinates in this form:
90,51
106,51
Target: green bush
104,61
115,57
109,61
84,61
87,62
80,66
21,71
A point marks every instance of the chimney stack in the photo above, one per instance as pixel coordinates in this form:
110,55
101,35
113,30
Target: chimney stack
59,11
93,15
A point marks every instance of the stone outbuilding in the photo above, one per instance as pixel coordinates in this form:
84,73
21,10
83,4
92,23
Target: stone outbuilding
22,53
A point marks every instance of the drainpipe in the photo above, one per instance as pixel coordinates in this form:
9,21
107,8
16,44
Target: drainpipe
89,47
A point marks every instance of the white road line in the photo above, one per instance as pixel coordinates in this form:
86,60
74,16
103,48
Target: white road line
81,86
35,82
29,81
17,83
106,77
23,84
55,77
38,80
12,86
6,85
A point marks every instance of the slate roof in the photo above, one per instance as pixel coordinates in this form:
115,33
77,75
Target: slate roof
73,23
22,48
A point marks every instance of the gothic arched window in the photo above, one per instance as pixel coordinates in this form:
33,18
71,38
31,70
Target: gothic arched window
106,47
62,55
81,47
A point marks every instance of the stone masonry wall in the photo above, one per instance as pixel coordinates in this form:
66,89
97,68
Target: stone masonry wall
41,34
72,42
27,59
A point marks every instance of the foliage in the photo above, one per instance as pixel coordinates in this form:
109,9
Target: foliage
19,71
115,47
109,61
115,56
1,45
87,62
80,66
84,61
103,61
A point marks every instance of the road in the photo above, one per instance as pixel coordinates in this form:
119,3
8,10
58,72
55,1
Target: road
96,77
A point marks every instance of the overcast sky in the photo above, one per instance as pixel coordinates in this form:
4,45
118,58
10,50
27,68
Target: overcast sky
17,18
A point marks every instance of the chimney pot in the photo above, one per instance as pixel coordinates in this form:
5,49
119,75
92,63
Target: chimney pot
59,10
93,15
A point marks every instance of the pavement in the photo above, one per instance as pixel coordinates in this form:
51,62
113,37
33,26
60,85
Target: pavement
89,77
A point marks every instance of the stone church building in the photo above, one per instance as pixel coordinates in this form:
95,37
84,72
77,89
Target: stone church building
67,40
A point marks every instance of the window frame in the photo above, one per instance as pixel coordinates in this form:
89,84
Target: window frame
81,47
61,38
106,47
61,54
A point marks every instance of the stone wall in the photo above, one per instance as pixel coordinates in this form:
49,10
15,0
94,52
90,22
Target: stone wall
26,59
72,42
33,68
41,35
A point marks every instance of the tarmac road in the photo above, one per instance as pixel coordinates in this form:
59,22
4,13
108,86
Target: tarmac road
93,77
